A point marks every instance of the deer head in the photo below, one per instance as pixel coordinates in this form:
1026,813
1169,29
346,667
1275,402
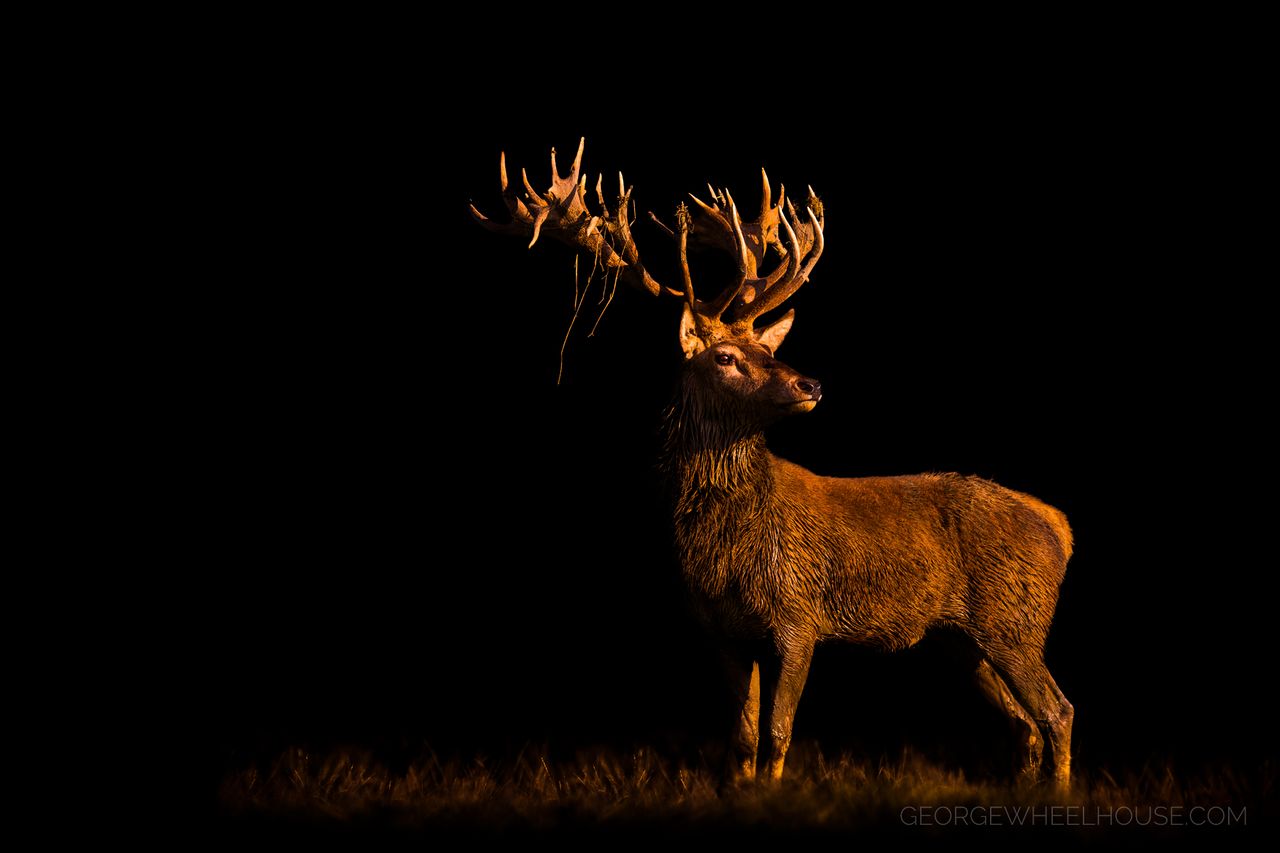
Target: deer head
711,331
734,388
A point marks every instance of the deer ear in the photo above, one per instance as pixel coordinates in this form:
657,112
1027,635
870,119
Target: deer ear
772,334
689,340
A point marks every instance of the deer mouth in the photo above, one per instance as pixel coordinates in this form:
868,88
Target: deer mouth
803,406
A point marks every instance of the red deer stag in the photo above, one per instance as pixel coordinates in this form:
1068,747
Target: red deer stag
778,558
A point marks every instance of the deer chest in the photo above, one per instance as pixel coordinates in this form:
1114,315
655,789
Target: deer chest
735,579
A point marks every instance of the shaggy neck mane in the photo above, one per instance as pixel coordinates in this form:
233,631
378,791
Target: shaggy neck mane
711,450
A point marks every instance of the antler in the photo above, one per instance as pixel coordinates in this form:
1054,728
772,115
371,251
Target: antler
562,212
804,244
714,228
734,311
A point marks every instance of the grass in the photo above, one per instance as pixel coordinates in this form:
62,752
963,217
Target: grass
641,793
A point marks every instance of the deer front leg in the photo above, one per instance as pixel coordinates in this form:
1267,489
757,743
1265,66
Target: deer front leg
744,683
794,655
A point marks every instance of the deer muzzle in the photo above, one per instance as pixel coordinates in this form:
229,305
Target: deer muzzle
810,391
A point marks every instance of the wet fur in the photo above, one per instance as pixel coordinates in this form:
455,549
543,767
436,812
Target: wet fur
778,556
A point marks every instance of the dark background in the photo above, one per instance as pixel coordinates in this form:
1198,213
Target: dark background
422,542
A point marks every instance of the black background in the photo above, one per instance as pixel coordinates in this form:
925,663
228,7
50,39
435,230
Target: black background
421,541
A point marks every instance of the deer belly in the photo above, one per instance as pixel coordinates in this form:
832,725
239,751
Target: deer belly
890,638
889,617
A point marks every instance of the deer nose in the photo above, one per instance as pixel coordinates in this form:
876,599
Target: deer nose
810,386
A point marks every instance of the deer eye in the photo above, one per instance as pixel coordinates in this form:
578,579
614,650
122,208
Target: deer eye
724,359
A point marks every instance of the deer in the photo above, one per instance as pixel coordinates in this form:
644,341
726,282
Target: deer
778,559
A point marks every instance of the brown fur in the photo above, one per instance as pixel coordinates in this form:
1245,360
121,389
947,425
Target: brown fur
779,558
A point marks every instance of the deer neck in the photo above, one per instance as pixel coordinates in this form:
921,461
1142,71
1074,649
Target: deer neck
710,457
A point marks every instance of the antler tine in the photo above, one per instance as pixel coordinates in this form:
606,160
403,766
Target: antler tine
781,206
727,296
792,266
682,225
619,228
528,187
499,227
816,204
702,204
765,194
819,241
573,172
520,215
789,284
543,213
656,221
577,159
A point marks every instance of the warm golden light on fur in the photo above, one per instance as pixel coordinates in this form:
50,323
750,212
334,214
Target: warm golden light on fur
777,558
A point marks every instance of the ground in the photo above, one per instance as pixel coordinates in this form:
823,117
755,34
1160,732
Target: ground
642,794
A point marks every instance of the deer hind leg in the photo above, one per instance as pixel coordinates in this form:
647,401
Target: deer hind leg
744,683
791,671
1026,734
1035,688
